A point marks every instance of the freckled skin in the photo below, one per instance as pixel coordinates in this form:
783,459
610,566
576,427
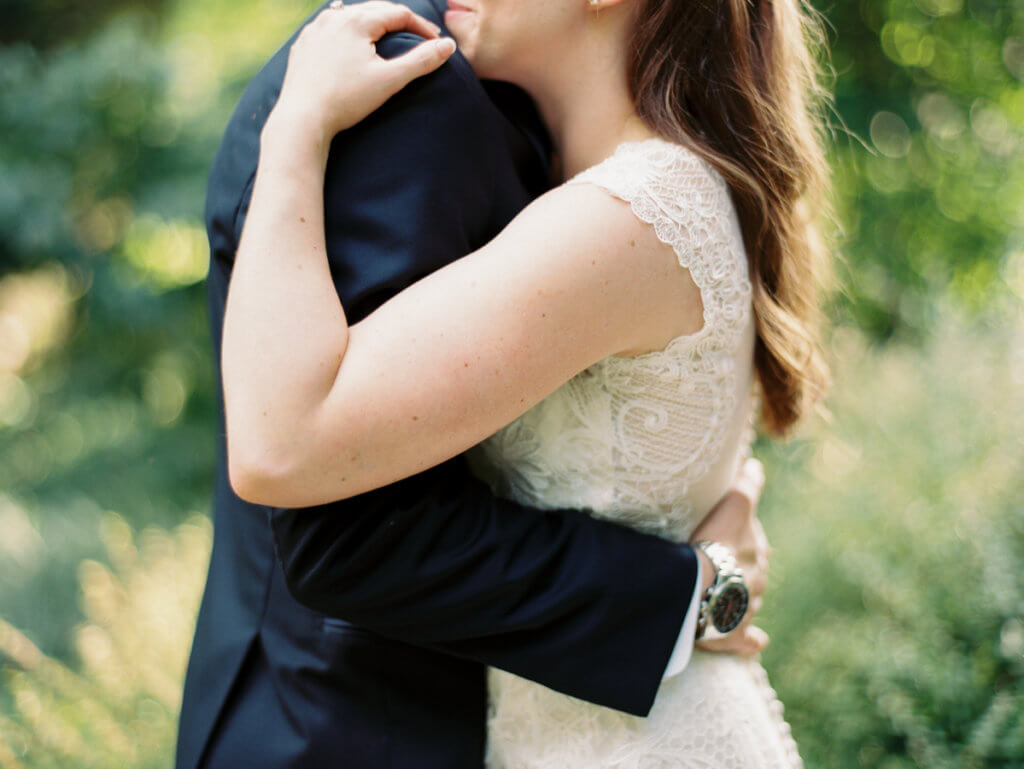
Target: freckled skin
529,42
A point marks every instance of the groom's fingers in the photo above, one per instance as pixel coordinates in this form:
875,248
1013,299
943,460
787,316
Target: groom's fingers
756,582
764,548
746,640
750,481
756,639
755,606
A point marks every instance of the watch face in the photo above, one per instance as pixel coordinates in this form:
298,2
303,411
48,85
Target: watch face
729,607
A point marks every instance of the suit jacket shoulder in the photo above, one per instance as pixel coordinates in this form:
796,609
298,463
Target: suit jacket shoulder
433,174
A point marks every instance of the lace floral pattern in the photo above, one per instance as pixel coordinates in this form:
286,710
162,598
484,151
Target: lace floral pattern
650,441
719,713
636,439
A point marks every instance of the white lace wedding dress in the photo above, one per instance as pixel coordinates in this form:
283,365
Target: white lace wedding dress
652,442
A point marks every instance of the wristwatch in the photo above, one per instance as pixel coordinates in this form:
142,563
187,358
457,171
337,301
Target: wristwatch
724,604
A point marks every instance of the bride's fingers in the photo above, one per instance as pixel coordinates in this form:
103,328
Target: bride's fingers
376,19
379,19
421,60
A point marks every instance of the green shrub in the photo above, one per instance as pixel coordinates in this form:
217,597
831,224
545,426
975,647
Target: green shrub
897,604
119,705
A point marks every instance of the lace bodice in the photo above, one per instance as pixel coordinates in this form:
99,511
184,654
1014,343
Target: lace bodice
652,440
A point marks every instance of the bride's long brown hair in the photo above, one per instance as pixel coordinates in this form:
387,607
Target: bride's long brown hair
739,82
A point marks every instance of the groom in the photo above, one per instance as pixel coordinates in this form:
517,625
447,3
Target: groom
355,634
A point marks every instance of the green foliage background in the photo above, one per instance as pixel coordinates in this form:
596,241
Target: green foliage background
898,611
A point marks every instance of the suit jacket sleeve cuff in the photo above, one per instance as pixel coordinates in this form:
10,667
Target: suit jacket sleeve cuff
684,645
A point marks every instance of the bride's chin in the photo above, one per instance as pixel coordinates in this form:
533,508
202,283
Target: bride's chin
476,61
466,40
482,68
460,28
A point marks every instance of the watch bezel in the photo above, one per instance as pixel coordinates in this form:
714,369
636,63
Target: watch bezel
731,586
729,589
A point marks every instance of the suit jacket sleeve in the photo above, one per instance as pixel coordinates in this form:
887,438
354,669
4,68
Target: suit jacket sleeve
580,605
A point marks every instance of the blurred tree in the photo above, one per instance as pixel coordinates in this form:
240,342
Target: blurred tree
120,708
106,375
934,204
898,619
100,199
44,23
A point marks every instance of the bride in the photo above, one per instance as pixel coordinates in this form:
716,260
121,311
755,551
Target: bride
603,350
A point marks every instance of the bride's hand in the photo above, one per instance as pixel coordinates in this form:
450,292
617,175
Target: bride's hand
335,77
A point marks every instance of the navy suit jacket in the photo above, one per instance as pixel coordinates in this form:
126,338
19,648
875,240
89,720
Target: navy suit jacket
356,634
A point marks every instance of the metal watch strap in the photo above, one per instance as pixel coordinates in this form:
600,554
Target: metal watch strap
726,568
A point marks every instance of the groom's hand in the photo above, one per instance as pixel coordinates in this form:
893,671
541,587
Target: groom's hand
734,523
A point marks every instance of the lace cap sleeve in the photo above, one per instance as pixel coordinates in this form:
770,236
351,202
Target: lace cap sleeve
688,203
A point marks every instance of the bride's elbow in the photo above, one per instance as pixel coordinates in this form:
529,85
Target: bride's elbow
267,475
258,480
299,465
266,465
284,479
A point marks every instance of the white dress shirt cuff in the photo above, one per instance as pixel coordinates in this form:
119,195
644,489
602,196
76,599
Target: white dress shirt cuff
684,644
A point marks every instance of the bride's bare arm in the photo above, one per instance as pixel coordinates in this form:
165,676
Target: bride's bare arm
318,411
